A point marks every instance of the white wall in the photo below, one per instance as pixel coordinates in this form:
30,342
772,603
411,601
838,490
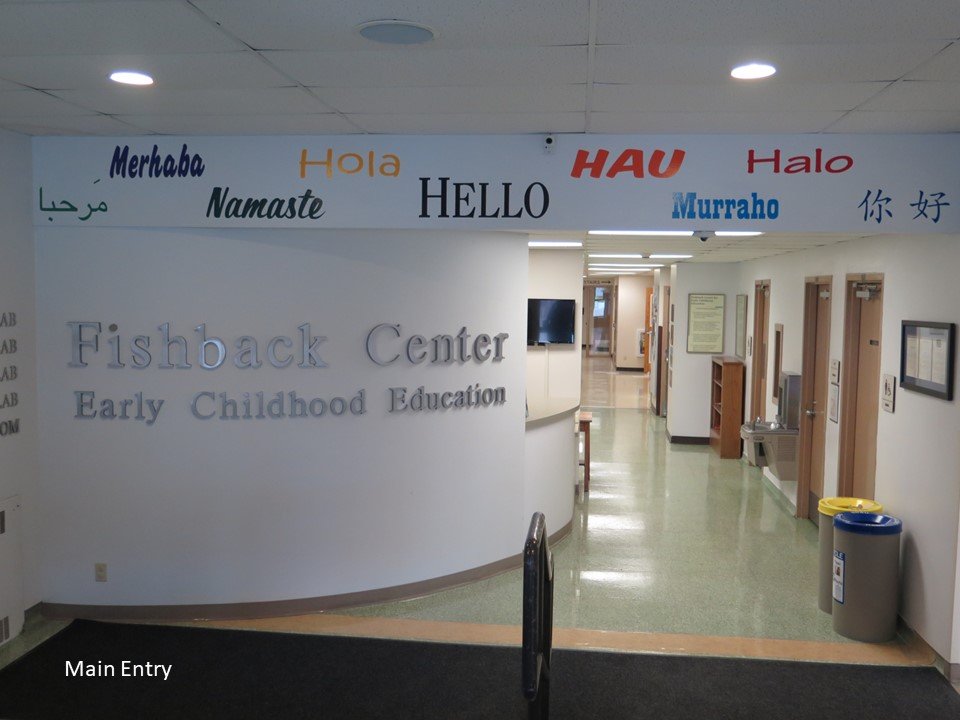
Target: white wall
631,314
554,371
221,511
18,586
917,455
689,407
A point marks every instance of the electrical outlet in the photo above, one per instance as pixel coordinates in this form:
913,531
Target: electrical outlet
100,572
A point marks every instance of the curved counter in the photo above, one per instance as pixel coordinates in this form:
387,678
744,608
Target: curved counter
550,461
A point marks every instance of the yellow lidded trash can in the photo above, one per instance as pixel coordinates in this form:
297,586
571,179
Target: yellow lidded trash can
828,507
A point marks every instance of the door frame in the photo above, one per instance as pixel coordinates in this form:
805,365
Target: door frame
811,291
849,375
758,400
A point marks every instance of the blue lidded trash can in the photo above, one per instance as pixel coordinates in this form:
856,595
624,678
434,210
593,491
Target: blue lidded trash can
866,572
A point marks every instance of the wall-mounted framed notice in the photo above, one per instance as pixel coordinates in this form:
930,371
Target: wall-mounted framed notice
741,348
926,357
705,323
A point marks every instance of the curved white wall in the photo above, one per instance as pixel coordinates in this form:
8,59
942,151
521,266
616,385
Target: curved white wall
191,510
551,469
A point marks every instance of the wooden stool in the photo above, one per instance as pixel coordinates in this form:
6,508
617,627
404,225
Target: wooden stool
583,421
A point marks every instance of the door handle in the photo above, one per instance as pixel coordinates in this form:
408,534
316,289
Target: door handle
810,413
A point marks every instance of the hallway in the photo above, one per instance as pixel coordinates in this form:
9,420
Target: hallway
669,539
673,550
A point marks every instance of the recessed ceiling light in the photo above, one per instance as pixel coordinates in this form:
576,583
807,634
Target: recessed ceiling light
131,77
736,233
555,244
753,71
670,257
644,233
623,255
396,32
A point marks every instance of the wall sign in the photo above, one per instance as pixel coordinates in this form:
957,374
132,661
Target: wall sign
786,183
9,374
833,403
93,343
705,323
888,392
835,371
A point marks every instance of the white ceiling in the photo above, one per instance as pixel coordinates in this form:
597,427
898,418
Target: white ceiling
228,67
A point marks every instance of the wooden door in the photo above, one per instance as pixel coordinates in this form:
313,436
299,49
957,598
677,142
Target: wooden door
647,330
761,324
860,391
868,397
666,345
814,393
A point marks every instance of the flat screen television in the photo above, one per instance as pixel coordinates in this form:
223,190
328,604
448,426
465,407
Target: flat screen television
551,322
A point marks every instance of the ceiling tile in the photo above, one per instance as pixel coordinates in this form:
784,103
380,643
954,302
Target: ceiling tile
14,103
811,21
796,63
712,122
457,100
492,123
189,70
432,66
147,26
944,67
918,95
733,97
316,124
68,125
300,25
138,101
862,121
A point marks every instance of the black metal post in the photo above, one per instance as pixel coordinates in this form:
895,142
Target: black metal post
537,619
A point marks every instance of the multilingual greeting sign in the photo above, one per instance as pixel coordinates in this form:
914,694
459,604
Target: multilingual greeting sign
869,184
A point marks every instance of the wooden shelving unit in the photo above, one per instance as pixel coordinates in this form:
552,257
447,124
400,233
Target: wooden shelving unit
726,405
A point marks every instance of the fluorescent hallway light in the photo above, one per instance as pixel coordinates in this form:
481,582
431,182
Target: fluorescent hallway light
644,233
555,244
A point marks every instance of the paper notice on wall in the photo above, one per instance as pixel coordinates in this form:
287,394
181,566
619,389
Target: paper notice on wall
938,356
705,323
912,356
925,363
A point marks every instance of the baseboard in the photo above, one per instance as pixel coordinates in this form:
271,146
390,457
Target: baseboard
687,439
910,637
277,608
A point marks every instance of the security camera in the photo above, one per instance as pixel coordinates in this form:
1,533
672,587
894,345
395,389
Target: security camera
549,144
704,238
704,235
